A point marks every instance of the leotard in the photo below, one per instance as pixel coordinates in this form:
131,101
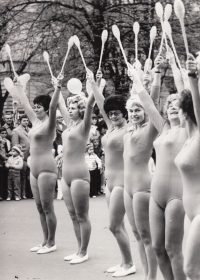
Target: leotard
74,145
41,140
138,147
188,163
113,145
166,183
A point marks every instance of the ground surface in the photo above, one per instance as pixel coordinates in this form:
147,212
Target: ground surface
20,230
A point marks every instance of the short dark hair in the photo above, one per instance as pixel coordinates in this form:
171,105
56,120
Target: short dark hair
2,129
186,104
43,100
102,124
24,116
115,102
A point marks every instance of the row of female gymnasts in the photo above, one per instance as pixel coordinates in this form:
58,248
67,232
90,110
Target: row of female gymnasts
156,207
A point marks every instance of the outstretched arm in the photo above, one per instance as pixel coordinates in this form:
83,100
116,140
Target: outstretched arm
63,109
192,69
54,101
99,98
176,72
89,105
24,101
155,87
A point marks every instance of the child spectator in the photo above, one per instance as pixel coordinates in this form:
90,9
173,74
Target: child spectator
59,161
14,165
94,133
93,163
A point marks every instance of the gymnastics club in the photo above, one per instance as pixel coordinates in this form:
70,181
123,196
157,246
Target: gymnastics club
70,44
153,33
46,58
116,33
168,30
8,50
104,37
136,28
159,12
77,43
180,13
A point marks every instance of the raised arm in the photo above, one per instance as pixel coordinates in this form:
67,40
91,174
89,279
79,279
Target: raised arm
24,101
63,109
99,98
176,72
54,101
155,86
192,69
89,105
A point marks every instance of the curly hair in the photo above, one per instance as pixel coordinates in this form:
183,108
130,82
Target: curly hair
186,104
43,100
135,100
77,99
115,102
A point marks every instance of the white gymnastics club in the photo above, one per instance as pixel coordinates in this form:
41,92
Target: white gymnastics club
8,50
104,37
116,33
153,33
180,13
136,28
70,44
46,58
77,43
159,12
168,30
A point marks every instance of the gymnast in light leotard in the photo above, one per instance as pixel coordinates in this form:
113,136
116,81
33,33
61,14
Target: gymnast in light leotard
42,165
76,178
138,145
166,207
188,163
114,112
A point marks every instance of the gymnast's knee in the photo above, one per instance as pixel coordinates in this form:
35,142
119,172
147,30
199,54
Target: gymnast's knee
159,249
173,250
40,208
47,208
145,236
82,218
115,228
136,234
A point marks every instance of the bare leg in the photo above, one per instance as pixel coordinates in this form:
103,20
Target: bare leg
80,196
192,249
70,206
35,191
157,227
46,185
116,217
129,211
187,224
174,226
141,214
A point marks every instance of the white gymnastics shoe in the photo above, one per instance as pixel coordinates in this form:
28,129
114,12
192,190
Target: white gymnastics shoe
70,257
124,272
45,249
78,259
36,248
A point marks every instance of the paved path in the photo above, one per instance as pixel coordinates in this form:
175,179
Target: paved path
20,230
